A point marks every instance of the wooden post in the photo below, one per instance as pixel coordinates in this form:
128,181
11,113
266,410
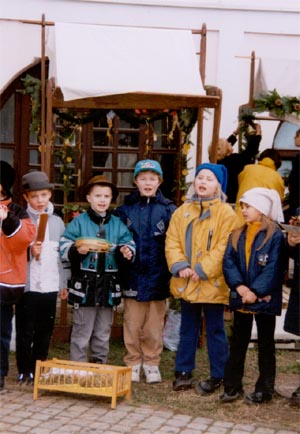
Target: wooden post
43,96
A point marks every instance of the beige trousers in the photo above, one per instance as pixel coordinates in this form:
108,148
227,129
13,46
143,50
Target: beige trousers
143,329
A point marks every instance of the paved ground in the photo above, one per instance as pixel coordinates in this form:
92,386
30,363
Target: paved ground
66,414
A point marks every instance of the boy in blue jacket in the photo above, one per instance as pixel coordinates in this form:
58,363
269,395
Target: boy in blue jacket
147,214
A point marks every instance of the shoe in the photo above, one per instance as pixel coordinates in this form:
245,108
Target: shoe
183,381
152,374
2,383
21,379
135,374
295,398
258,398
30,379
232,395
95,360
208,386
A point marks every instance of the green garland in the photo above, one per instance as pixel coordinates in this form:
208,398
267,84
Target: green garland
274,103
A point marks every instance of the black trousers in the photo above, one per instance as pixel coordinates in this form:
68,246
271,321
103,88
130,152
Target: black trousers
241,335
6,317
35,317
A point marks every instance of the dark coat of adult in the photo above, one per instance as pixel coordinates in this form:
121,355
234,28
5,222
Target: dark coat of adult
264,274
294,186
292,317
235,163
148,219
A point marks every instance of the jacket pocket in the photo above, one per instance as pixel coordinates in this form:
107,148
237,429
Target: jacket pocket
109,292
78,287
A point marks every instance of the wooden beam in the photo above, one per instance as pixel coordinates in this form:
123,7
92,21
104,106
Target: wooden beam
138,100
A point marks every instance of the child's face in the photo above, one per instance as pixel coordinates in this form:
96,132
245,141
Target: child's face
206,184
250,214
39,199
100,197
148,182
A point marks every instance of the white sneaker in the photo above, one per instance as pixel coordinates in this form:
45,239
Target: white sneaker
152,374
135,374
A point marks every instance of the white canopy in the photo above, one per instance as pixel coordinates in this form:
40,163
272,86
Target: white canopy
90,60
280,74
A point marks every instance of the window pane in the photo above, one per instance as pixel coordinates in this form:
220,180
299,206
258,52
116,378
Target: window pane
100,138
102,159
127,161
34,157
7,121
7,155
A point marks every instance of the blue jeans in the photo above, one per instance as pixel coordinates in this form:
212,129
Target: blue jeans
217,344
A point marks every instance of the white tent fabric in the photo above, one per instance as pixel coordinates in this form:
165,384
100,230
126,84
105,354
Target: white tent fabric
90,60
13,37
280,74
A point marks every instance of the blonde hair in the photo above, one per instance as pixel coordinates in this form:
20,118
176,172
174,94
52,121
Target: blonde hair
267,225
223,149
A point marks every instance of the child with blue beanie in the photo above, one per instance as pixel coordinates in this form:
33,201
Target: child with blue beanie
195,244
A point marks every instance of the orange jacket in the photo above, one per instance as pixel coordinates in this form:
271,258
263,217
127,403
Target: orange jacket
17,232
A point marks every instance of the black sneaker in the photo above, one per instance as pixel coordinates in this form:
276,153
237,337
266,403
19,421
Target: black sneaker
232,395
295,398
30,379
258,398
208,386
21,379
183,381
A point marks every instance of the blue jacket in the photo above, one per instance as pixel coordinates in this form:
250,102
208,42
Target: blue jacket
148,220
264,275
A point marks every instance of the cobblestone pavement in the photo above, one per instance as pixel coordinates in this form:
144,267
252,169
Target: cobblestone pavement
65,414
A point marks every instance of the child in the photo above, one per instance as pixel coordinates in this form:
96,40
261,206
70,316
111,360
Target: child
253,269
147,214
94,288
35,315
16,234
195,244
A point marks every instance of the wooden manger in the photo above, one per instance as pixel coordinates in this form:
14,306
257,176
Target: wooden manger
84,378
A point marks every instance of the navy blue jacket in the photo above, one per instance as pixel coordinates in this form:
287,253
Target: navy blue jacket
264,275
148,220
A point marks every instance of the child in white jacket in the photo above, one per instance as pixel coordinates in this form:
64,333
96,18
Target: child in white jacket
35,315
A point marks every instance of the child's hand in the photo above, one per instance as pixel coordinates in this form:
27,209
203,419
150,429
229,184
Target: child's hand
242,290
63,293
83,249
3,212
266,298
249,297
36,249
126,252
186,272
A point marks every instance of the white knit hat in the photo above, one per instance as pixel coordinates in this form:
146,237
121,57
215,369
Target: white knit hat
266,201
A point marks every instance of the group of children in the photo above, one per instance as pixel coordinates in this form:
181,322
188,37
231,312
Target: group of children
197,250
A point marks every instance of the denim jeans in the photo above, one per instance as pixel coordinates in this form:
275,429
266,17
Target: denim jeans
217,344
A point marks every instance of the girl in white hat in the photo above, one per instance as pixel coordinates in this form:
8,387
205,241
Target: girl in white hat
253,267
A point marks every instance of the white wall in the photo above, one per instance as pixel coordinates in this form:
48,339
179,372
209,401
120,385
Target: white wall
235,28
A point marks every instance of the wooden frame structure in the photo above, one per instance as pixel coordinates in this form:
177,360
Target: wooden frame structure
150,101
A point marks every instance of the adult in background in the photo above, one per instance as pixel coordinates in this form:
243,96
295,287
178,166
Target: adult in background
292,317
16,233
263,174
235,162
294,181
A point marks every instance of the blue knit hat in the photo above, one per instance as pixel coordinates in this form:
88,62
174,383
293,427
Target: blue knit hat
218,170
144,165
